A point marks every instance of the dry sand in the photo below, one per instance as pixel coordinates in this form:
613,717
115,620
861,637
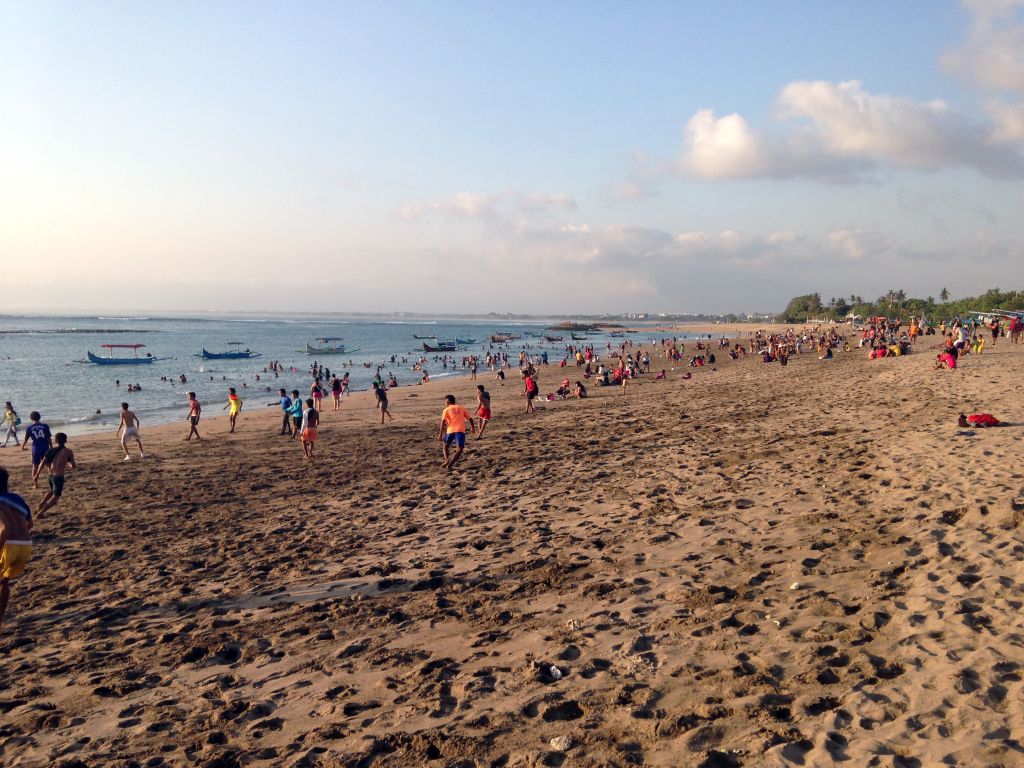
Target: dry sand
758,566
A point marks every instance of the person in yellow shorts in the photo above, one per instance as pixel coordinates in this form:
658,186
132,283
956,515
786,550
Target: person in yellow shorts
15,539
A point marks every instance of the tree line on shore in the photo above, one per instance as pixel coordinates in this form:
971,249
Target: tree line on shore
896,303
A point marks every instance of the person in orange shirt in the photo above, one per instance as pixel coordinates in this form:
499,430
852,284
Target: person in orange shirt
453,430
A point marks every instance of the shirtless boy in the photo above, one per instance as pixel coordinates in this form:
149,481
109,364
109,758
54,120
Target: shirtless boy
15,540
194,409
130,424
57,460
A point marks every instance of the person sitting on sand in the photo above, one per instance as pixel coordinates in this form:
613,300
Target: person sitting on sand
580,391
944,360
980,420
661,375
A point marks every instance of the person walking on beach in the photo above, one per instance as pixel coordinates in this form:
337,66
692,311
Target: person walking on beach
130,424
336,391
453,431
295,411
529,390
235,404
382,402
57,461
38,434
285,403
15,539
483,408
194,409
10,423
310,425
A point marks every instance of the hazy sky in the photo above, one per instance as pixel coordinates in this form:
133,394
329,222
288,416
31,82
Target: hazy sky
527,157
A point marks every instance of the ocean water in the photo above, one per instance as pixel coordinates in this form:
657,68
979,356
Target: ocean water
38,354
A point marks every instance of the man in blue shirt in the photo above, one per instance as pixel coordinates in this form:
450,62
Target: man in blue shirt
38,434
286,407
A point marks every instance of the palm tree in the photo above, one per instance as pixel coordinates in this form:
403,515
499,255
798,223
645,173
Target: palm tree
944,295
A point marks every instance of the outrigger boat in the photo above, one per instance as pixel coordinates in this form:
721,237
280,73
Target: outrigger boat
336,350
578,338
234,354
554,338
329,339
111,360
417,336
442,346
465,341
501,338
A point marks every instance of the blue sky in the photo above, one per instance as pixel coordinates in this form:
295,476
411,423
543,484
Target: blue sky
529,157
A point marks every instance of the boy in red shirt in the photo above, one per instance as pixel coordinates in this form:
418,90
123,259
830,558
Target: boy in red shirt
453,430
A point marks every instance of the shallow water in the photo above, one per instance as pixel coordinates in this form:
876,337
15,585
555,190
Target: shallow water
38,368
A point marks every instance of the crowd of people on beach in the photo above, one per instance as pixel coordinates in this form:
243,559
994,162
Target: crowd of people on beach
614,366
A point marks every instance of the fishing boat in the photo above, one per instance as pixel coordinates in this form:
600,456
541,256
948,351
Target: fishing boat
417,336
442,346
338,349
501,338
578,338
111,360
232,354
554,338
465,341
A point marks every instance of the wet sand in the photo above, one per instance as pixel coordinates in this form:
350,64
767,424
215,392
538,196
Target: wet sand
757,566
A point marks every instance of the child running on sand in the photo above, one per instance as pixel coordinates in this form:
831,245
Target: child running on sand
235,404
57,460
453,430
130,424
483,408
382,402
38,434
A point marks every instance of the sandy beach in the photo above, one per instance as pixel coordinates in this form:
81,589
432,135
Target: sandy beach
759,566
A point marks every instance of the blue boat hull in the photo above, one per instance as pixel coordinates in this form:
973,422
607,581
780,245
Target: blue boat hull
228,355
119,360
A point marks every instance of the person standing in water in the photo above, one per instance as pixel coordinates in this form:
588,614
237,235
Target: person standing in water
130,424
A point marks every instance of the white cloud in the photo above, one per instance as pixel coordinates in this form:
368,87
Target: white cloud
501,208
992,57
840,131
